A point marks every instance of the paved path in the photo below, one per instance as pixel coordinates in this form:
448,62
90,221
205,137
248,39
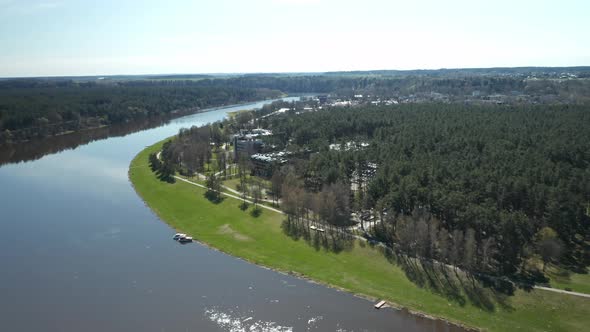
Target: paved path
204,177
229,195
239,193
563,291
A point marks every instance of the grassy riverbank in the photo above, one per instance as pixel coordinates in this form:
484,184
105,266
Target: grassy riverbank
361,269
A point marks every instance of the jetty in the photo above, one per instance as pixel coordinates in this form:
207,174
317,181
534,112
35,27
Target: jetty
380,304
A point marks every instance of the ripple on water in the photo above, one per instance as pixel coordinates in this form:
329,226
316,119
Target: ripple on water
232,322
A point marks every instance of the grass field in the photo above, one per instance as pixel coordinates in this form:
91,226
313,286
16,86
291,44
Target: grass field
569,281
359,269
232,183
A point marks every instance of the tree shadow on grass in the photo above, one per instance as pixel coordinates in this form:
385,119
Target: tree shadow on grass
256,212
529,278
455,285
340,242
214,197
478,296
165,177
291,230
329,240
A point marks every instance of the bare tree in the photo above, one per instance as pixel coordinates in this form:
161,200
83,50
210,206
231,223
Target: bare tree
222,163
340,194
214,186
256,192
433,246
328,208
422,238
443,245
243,175
456,250
276,184
406,235
488,251
469,250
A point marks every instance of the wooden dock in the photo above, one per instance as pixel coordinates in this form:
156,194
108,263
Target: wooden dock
380,304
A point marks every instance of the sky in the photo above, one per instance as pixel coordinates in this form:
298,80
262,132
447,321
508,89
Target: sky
124,37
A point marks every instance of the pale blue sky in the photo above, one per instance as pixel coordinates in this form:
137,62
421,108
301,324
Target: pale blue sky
75,37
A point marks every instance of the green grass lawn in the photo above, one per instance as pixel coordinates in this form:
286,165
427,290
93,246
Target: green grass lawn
235,181
360,269
572,281
232,183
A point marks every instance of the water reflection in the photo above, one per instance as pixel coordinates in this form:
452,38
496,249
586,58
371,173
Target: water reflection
80,251
35,149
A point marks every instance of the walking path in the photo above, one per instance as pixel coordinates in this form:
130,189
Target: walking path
204,177
563,291
229,195
239,193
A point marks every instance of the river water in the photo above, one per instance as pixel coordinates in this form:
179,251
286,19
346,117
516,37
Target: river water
80,251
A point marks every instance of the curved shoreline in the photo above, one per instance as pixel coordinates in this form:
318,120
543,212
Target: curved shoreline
302,276
33,149
224,246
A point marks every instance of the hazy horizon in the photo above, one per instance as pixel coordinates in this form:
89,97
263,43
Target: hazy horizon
281,73
43,38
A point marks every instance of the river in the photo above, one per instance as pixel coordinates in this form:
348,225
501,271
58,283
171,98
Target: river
80,251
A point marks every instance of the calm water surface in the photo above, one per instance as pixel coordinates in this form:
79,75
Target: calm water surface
79,251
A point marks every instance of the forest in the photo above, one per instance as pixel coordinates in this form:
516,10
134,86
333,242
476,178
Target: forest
41,108
458,86
44,107
495,190
514,181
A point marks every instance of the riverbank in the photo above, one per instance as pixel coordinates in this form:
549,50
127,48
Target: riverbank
358,269
35,148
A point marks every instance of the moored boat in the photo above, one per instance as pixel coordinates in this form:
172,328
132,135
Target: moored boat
185,239
177,236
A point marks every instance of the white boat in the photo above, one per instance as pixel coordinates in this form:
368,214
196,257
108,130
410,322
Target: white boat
185,239
177,236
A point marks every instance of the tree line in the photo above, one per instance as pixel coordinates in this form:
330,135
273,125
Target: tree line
40,108
34,108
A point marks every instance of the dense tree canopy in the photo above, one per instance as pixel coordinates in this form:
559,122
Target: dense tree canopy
484,188
36,108
504,171
32,108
